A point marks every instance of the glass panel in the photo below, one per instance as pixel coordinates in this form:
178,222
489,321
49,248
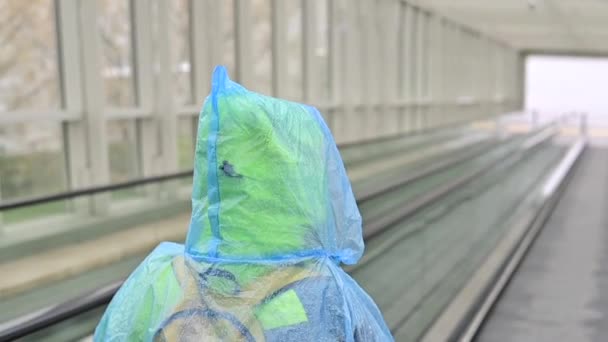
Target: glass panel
25,149
262,46
28,62
294,49
117,64
123,154
179,43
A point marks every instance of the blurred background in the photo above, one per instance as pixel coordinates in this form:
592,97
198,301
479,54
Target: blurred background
454,118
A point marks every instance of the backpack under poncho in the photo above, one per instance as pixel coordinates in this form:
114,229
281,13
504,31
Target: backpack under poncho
273,216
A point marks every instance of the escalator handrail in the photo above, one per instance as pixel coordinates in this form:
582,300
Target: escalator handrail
46,317
24,202
70,194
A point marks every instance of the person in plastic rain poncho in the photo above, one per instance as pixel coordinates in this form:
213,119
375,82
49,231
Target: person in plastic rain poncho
273,216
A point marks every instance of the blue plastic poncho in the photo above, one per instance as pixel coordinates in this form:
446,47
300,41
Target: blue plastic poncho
273,216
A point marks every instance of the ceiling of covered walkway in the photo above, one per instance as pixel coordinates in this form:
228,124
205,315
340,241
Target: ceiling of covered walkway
543,26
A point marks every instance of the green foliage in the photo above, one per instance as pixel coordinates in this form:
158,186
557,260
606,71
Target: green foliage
33,212
32,174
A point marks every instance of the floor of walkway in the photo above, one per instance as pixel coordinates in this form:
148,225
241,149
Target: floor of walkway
559,293
60,263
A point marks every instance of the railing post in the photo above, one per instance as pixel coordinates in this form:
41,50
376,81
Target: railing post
141,16
279,44
73,132
93,95
165,114
534,119
336,27
584,129
242,34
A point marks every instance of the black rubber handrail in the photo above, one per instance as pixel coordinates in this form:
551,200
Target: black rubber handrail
378,226
25,202
36,200
369,193
46,317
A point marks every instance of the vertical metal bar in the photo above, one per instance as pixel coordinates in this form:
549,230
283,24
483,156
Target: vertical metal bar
144,84
499,77
204,48
453,75
413,77
433,38
142,51
459,74
372,112
481,74
74,132
199,56
423,45
243,42
214,41
445,69
410,67
336,45
493,78
404,67
487,80
387,75
464,74
428,70
468,72
364,129
165,113
352,74
440,96
279,51
94,96
310,75
476,65
419,73
521,80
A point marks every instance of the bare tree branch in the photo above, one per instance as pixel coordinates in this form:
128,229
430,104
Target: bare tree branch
21,99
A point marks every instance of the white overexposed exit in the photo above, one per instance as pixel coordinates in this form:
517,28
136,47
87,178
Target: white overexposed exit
557,84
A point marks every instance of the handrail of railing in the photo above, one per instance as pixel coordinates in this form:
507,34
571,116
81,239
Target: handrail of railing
46,317
35,200
376,227
20,203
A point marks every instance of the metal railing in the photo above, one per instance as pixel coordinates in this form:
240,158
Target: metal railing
46,317
24,202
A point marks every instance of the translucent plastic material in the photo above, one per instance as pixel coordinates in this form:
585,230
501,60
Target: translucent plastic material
273,217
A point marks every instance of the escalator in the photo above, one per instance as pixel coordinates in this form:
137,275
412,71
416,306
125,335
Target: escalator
428,228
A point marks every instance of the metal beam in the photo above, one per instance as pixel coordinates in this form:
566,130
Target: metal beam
73,129
93,95
242,33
